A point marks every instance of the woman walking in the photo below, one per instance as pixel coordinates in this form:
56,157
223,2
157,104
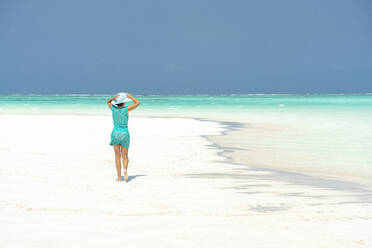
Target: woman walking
120,138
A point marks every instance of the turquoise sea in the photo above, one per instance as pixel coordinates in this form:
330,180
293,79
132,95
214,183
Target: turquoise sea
190,105
324,134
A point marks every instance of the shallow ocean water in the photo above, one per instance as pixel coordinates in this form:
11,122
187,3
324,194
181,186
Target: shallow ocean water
189,105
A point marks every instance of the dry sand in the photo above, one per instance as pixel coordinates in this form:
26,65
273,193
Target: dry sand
58,189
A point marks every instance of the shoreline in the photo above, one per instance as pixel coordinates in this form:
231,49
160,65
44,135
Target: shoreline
226,151
229,152
223,150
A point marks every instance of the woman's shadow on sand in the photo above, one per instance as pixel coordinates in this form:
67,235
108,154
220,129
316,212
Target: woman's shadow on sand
130,178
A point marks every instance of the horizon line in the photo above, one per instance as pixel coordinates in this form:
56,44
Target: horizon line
231,94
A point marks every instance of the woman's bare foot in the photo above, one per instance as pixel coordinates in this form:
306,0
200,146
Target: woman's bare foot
125,175
119,180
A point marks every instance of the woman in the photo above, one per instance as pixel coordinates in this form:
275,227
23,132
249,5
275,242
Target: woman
120,138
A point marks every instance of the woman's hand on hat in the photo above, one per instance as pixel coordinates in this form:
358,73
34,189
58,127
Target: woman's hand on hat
136,102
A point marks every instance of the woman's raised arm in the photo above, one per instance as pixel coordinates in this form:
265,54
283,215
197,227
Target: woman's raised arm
136,102
110,100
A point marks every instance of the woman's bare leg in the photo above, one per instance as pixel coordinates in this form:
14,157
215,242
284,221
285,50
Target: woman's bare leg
117,161
124,155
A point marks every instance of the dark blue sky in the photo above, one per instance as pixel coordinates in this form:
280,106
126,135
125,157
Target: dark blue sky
185,47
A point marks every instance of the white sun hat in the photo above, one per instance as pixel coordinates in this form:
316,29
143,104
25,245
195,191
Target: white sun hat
122,98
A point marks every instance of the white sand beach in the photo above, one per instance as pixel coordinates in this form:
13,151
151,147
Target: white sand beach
58,189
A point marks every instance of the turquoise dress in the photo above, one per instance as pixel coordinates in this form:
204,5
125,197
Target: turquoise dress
120,133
